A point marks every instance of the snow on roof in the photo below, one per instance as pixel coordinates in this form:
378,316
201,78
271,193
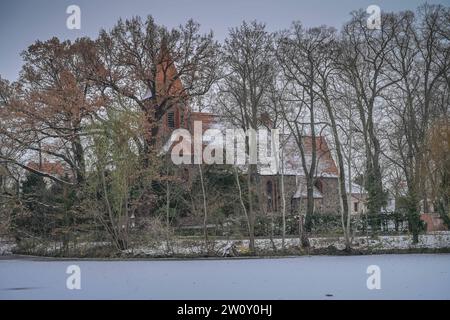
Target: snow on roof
147,95
48,167
292,160
356,188
302,193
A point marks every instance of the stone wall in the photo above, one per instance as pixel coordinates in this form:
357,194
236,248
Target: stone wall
330,191
328,204
289,188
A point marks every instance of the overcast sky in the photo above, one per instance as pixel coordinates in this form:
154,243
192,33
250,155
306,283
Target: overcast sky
24,21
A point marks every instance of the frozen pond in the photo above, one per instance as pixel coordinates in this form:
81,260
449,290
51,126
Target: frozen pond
423,276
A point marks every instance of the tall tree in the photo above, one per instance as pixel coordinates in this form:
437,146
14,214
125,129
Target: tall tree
153,67
249,71
363,66
49,108
296,52
420,59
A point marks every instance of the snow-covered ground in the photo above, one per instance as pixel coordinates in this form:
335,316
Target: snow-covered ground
434,240
415,276
191,247
6,248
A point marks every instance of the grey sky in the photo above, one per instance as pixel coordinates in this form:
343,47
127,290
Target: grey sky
24,21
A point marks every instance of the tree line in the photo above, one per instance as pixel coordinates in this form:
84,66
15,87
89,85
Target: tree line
78,131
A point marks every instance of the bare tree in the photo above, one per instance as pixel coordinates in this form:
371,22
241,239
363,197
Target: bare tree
328,88
421,61
249,67
153,67
363,66
296,54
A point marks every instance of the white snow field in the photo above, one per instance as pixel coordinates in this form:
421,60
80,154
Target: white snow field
407,276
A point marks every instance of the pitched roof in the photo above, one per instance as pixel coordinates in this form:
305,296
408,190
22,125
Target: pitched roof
302,192
53,168
292,164
167,79
356,189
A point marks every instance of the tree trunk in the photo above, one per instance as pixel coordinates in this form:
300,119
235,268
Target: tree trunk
342,190
251,209
205,212
242,203
309,204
